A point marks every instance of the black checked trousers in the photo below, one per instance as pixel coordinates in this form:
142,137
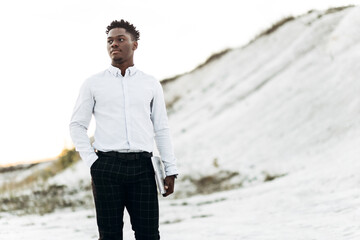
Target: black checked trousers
118,183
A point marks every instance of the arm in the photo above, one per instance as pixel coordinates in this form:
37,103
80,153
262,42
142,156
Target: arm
79,123
162,132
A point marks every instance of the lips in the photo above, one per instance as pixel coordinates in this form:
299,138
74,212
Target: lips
115,51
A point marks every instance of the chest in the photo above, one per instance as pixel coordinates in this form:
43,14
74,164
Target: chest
121,92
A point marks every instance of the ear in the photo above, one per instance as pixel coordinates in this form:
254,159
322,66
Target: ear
135,45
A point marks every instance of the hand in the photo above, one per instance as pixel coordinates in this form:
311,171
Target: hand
169,183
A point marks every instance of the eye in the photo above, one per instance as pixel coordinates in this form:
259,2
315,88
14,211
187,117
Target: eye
110,41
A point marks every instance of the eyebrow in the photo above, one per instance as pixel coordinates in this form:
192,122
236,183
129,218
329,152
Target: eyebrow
116,36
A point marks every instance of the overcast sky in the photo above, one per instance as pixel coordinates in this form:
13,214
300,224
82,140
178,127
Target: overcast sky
48,48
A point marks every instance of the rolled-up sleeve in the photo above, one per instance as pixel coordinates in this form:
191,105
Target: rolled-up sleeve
79,124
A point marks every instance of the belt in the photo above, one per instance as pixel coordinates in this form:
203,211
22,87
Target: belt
129,155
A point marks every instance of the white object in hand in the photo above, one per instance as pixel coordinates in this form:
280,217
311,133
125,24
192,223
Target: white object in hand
159,173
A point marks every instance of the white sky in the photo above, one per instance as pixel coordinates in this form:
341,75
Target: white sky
48,48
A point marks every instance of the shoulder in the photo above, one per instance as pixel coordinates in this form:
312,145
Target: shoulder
96,78
145,76
148,80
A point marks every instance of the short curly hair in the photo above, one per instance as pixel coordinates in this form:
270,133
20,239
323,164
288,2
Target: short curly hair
127,26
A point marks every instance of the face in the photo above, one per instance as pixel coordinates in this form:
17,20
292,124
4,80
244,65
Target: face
120,46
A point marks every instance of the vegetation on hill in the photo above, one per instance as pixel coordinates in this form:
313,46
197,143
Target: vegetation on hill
275,26
44,198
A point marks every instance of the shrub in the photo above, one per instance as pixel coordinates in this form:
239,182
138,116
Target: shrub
67,158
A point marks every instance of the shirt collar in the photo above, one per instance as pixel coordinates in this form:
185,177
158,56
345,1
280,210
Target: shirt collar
116,71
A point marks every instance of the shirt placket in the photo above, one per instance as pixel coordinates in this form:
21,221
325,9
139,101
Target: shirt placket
126,111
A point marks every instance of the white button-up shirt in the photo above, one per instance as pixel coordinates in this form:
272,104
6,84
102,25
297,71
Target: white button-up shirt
129,112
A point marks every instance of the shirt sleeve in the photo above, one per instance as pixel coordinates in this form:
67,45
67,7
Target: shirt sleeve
162,131
79,124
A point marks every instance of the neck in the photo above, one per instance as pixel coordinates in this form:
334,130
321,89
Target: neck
122,66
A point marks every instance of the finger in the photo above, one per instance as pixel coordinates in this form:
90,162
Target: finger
166,194
169,190
166,185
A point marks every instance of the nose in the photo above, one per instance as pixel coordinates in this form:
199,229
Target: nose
114,44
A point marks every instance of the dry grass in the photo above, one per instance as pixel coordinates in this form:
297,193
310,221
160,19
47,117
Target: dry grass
65,160
271,177
46,199
171,103
213,57
32,194
220,181
273,27
166,81
337,9
210,59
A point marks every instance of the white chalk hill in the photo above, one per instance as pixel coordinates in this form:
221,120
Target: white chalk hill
287,101
285,107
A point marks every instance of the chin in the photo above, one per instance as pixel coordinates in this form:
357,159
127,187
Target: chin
117,60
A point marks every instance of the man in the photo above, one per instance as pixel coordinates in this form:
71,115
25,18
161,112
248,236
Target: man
129,109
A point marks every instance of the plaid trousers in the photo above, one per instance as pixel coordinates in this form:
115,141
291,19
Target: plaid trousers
118,183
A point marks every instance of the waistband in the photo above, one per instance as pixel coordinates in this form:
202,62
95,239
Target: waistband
129,155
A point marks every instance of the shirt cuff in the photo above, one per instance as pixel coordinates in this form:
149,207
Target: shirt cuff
171,171
89,158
